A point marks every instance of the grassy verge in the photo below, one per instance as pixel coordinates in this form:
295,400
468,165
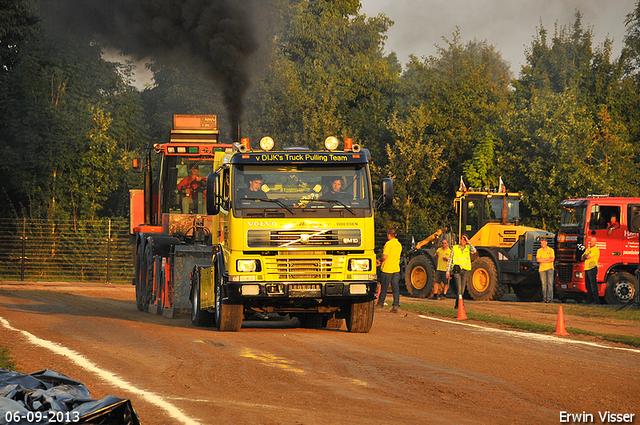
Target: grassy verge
529,326
6,361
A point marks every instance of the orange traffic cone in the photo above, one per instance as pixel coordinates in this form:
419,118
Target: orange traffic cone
560,329
462,315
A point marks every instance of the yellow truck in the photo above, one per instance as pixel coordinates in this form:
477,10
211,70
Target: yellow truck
268,234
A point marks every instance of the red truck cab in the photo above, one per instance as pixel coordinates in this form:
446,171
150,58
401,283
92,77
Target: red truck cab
611,220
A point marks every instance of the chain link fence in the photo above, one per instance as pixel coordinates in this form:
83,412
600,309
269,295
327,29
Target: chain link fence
81,251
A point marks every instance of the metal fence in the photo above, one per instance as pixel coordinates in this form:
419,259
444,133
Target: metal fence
84,251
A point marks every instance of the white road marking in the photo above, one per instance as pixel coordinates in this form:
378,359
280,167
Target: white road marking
527,335
110,377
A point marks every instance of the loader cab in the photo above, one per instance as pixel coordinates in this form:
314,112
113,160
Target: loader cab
475,209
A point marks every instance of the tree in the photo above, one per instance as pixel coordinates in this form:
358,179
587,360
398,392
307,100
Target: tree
51,100
414,164
328,77
462,94
564,136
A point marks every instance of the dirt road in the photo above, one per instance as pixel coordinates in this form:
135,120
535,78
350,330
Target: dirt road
410,369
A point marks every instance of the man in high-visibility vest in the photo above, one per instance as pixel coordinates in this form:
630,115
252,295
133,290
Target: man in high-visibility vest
460,262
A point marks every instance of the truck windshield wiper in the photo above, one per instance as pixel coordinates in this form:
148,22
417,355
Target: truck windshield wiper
275,201
334,201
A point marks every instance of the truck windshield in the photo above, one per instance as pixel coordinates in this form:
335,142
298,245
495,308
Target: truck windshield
300,186
573,217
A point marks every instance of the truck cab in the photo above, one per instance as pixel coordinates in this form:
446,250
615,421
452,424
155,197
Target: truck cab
610,221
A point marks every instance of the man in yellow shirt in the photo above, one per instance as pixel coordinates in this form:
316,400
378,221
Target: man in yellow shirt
390,270
545,256
590,258
442,255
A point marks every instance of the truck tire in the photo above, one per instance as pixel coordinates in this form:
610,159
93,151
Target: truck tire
144,284
199,317
360,316
483,284
529,293
228,315
419,277
621,287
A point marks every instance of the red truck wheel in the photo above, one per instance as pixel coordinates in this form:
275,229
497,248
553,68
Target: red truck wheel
621,287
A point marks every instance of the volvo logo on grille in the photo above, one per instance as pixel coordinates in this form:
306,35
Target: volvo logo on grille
351,241
261,223
304,238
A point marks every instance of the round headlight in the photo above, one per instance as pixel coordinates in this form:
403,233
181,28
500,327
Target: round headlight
266,143
331,143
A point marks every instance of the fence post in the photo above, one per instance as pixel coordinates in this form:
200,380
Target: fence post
24,248
109,254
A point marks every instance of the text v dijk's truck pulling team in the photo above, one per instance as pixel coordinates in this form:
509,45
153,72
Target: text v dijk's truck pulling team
228,232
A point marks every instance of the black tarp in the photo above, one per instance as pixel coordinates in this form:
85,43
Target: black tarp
48,397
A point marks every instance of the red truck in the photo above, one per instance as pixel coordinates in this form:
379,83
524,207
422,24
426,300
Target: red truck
615,222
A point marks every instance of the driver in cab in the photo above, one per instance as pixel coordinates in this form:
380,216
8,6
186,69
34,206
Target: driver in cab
336,191
254,191
189,186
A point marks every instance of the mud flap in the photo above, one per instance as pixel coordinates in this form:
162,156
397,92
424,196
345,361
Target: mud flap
185,258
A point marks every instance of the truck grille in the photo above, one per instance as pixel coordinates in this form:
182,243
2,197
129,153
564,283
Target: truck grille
565,272
321,237
302,268
567,251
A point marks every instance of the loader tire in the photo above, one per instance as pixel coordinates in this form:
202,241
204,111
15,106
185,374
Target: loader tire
228,315
419,277
529,293
360,316
199,317
483,283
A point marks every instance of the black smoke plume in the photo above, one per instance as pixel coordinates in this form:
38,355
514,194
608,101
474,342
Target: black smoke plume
211,35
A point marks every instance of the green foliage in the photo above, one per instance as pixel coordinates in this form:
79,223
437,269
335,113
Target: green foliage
478,169
454,103
565,135
6,361
328,77
69,121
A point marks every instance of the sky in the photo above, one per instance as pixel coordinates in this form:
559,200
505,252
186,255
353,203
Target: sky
509,25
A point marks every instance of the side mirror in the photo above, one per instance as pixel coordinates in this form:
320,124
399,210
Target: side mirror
213,192
387,192
137,165
633,216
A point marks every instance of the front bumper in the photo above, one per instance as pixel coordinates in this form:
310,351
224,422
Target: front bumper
300,292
